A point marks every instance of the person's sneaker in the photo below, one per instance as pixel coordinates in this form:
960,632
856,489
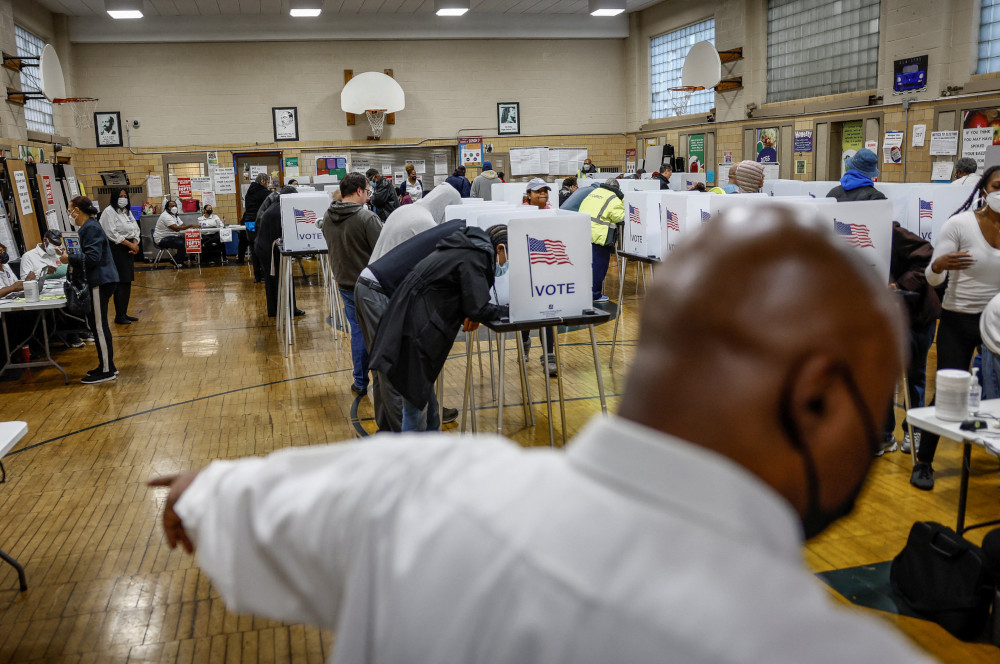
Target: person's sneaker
96,371
549,364
603,298
131,318
359,391
889,444
91,379
527,349
74,341
905,446
923,476
448,415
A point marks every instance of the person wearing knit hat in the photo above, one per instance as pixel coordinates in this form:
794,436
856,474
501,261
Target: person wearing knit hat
858,183
733,186
750,177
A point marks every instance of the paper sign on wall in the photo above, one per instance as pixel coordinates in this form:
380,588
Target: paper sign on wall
225,182
550,272
471,152
200,185
208,198
52,220
192,241
184,187
154,185
419,165
299,214
892,148
74,188
944,143
23,193
919,131
941,171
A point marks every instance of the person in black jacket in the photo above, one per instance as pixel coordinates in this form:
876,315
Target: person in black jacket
268,231
417,331
858,183
458,180
99,267
663,175
256,193
384,200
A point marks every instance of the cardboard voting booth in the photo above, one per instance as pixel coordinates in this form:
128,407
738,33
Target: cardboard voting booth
642,224
488,220
550,270
682,214
866,226
299,214
684,181
460,211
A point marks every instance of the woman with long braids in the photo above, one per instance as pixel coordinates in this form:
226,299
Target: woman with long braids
968,253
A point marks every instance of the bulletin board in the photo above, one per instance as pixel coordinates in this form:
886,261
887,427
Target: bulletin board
20,186
437,162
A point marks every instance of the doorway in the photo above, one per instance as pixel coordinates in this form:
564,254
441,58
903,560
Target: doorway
249,164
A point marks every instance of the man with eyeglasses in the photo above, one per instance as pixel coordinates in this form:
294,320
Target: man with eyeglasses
48,257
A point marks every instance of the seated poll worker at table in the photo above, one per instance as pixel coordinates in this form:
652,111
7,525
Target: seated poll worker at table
671,532
169,229
123,234
49,257
211,241
17,322
418,329
9,281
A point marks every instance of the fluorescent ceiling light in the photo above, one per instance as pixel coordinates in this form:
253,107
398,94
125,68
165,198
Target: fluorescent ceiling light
606,7
451,7
306,8
119,9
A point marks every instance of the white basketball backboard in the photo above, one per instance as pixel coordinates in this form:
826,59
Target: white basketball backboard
51,74
702,66
372,91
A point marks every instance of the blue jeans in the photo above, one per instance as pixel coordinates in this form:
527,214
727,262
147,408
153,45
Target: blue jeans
359,354
427,418
991,374
602,258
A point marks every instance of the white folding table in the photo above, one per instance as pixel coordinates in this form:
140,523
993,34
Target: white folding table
40,307
10,433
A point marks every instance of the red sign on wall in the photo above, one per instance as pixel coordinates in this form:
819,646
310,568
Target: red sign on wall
192,241
50,200
184,187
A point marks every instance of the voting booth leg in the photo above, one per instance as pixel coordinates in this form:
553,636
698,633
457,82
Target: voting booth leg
280,317
622,264
548,390
21,580
479,354
489,351
559,386
597,368
529,413
501,343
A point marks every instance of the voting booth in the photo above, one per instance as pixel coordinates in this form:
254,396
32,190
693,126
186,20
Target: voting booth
550,270
684,181
299,214
642,224
866,226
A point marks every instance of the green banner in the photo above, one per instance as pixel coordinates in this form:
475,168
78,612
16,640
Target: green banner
696,153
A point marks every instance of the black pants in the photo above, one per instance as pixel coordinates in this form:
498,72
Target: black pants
271,284
550,337
957,340
241,252
370,305
259,269
97,319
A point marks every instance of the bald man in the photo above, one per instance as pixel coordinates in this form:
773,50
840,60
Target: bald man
671,532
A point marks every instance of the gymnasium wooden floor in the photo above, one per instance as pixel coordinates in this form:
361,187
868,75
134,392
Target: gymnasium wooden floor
201,379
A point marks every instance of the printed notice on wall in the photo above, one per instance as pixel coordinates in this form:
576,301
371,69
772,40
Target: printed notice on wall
441,166
225,182
199,185
23,193
155,186
945,143
919,131
941,171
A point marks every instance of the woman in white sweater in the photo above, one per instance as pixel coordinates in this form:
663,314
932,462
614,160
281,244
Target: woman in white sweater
967,252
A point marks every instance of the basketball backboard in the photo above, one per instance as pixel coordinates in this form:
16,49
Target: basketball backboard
51,74
372,91
702,66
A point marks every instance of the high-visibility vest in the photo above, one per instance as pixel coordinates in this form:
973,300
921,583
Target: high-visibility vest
605,210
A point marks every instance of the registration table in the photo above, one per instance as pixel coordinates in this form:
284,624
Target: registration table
52,298
10,433
988,439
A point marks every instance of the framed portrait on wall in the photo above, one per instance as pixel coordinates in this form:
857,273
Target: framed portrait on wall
108,129
286,123
508,118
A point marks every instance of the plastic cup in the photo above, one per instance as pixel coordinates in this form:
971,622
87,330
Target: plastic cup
31,291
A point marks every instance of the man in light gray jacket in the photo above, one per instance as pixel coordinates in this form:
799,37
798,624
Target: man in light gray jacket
482,186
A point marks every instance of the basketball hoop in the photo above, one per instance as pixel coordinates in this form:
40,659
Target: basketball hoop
377,120
83,110
680,97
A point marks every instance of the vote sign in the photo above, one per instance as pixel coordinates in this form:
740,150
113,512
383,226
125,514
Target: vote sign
299,216
192,241
550,269
642,224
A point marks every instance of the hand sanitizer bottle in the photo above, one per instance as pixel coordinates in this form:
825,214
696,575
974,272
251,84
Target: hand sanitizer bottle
975,392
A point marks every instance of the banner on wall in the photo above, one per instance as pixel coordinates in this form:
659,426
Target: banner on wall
979,132
851,140
696,153
471,152
767,145
803,140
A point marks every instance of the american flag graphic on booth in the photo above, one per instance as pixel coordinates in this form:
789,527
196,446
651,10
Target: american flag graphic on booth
926,209
304,216
673,221
549,252
705,216
856,234
633,215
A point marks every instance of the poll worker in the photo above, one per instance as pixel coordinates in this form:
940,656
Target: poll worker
48,257
670,532
123,234
447,289
588,168
351,231
406,222
212,245
411,185
458,180
482,185
99,267
967,253
569,185
733,186
169,229
858,181
965,171
9,281
258,190
266,247
376,285
606,210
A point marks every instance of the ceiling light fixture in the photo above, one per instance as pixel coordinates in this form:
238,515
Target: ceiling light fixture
606,7
451,7
305,8
119,9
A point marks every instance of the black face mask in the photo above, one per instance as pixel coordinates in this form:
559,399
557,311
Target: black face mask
208,213
4,257
816,518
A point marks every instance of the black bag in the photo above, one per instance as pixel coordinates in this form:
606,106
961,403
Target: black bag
77,290
945,578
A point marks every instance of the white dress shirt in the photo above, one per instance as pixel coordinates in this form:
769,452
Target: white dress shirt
971,178
119,226
7,276
631,547
163,224
36,259
215,221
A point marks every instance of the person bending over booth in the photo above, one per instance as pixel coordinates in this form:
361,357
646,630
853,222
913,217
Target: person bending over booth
606,210
670,532
266,248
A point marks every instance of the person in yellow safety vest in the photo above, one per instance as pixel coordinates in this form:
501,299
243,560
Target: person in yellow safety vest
606,210
588,168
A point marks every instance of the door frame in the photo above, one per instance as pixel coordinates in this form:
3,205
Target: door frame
255,153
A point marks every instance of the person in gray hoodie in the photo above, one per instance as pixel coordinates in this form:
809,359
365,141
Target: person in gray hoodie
482,185
351,231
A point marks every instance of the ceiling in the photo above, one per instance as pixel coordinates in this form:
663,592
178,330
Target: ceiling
91,8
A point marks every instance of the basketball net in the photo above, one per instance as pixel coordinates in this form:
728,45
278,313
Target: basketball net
377,120
679,100
83,110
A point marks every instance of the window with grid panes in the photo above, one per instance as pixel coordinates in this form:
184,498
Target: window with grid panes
989,37
666,61
37,112
819,47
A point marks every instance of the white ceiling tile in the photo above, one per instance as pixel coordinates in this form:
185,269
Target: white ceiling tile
209,7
